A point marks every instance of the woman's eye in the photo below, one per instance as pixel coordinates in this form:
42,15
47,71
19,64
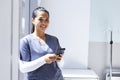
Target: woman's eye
47,20
40,19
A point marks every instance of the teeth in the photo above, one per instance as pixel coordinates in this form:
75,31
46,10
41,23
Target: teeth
43,26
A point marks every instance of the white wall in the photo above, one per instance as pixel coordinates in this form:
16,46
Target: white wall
69,21
5,39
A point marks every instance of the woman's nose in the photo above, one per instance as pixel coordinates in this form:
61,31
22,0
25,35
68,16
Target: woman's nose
44,22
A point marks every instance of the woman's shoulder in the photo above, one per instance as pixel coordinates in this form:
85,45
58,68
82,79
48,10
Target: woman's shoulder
26,38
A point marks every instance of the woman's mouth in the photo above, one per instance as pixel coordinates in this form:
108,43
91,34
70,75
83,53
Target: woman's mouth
43,27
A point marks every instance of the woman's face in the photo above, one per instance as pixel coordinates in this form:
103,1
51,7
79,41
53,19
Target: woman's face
41,21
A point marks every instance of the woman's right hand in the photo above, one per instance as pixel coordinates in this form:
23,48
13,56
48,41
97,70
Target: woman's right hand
49,58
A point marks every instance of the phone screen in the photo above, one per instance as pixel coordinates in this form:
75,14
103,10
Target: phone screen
61,51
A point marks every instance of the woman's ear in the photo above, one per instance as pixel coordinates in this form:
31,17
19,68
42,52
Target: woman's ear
32,20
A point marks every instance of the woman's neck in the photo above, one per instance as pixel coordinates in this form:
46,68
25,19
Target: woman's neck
40,35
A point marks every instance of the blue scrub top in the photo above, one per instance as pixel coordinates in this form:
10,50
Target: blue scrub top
31,49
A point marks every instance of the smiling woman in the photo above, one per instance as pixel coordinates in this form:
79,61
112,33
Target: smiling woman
38,50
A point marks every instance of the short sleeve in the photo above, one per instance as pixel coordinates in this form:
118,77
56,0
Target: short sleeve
24,50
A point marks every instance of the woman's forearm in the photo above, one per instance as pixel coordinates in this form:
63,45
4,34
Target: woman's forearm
32,65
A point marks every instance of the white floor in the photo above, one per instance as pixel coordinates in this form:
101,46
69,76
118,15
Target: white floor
79,74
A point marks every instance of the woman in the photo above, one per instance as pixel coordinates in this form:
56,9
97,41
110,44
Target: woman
38,50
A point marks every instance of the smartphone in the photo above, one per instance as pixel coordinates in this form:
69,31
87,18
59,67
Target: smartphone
60,51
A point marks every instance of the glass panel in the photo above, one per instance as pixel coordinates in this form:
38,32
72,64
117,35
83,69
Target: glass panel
24,26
